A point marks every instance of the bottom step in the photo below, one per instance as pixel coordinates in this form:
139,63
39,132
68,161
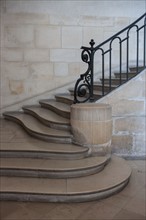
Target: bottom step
111,180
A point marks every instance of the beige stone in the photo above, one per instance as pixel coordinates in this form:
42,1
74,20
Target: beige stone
16,87
71,37
41,71
17,70
64,55
120,142
95,33
129,124
64,20
36,55
139,142
19,36
128,107
92,126
48,37
122,21
11,54
90,20
26,18
61,69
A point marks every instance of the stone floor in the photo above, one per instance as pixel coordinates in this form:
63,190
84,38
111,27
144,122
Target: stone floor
128,204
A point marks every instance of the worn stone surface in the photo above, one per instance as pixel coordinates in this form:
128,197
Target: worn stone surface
129,117
92,126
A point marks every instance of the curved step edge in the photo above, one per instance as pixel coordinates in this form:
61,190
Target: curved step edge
90,196
51,124
50,138
40,173
43,154
63,113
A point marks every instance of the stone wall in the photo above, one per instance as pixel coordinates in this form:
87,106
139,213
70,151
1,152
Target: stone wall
41,40
129,117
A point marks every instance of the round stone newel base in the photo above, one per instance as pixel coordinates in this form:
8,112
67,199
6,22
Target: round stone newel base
91,125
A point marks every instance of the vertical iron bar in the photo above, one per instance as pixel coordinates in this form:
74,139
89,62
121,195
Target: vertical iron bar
92,69
144,56
110,67
137,54
102,73
120,62
127,68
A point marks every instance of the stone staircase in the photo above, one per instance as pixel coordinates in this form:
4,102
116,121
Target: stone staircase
54,169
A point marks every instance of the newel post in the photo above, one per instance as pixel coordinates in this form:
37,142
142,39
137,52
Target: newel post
91,125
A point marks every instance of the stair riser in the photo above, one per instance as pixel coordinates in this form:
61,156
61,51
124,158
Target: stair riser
43,155
57,111
57,126
69,197
64,100
49,138
114,82
50,174
124,75
99,88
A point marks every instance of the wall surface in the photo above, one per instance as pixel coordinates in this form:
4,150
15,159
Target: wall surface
41,40
129,117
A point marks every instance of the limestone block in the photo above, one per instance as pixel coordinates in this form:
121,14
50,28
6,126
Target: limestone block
16,87
64,20
122,143
128,107
41,71
36,55
17,70
129,124
71,37
95,33
92,126
12,54
61,69
19,36
25,18
122,22
74,69
64,55
139,143
89,20
48,37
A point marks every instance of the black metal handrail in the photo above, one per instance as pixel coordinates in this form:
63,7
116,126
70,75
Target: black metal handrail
83,90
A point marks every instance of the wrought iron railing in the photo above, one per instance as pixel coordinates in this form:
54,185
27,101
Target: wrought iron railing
83,90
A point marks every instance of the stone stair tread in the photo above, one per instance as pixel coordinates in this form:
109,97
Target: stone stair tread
110,179
42,149
47,114
65,98
41,146
106,85
51,164
34,125
57,105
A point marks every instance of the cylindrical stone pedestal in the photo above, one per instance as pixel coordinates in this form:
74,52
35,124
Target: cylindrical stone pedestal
91,125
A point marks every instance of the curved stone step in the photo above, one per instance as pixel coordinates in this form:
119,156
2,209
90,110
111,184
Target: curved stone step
41,149
111,180
98,87
37,129
47,168
61,109
47,117
65,98
114,81
124,74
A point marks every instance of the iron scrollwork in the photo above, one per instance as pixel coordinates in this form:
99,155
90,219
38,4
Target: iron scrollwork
83,90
